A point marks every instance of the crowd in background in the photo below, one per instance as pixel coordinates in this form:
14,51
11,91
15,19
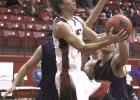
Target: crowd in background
42,11
130,8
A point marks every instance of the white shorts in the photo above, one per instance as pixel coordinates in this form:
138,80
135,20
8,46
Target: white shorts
84,86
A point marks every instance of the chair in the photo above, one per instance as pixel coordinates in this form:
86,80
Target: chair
15,18
41,26
4,10
13,41
14,25
3,25
18,11
29,19
28,42
4,17
41,37
30,26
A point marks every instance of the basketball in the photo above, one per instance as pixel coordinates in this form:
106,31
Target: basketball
119,22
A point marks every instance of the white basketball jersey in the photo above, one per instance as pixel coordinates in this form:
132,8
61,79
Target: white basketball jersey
74,55
84,87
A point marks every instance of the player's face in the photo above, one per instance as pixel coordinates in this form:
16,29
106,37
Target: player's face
69,5
108,48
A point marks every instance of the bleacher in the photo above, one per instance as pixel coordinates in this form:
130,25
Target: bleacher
20,32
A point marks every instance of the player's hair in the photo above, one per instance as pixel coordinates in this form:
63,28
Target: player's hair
55,5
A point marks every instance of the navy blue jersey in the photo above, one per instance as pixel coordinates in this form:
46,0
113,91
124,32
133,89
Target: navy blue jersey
118,87
48,68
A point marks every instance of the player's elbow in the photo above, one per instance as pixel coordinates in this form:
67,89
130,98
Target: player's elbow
122,63
83,48
89,24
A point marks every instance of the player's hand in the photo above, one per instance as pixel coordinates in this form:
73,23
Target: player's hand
120,36
11,89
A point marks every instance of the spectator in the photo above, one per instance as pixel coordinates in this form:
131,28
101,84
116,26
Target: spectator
32,9
12,3
136,73
36,75
83,3
107,12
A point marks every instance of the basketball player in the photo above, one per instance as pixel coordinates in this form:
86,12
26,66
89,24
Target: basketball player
71,82
23,72
111,68
44,53
48,90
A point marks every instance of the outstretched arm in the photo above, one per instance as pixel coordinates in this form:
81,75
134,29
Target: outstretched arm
28,65
25,68
95,13
62,31
93,18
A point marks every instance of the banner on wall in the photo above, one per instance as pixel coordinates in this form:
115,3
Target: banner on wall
6,76
6,71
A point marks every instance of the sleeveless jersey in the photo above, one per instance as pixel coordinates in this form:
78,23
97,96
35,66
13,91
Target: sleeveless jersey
48,67
74,55
68,60
118,87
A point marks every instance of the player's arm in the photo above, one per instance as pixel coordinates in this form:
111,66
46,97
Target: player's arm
94,37
28,65
121,58
25,68
91,35
62,31
95,13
